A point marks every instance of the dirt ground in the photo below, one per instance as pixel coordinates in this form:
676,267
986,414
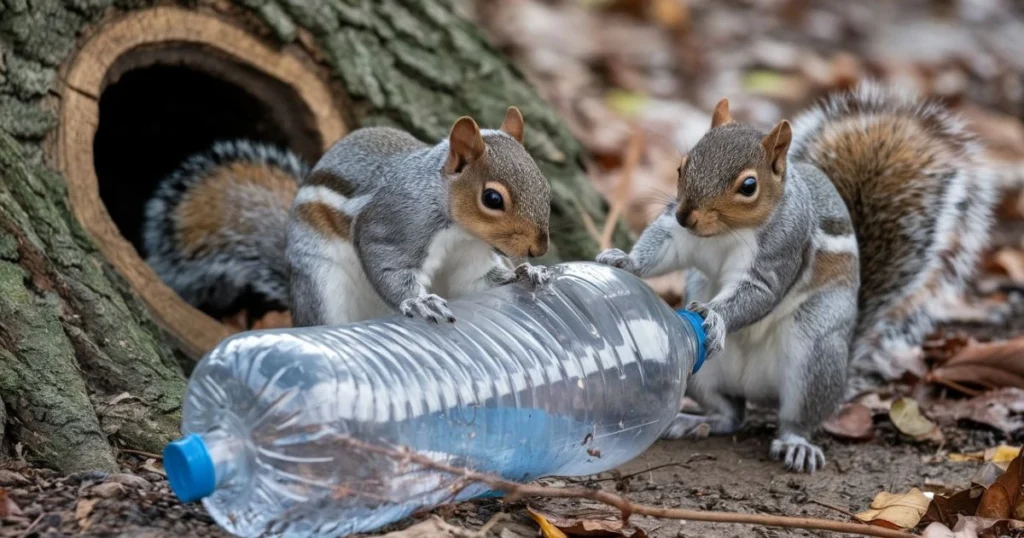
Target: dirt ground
723,474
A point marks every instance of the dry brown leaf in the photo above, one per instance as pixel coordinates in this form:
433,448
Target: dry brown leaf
152,466
7,506
1004,499
610,527
853,422
899,510
997,454
1002,409
82,511
947,510
907,417
989,365
671,13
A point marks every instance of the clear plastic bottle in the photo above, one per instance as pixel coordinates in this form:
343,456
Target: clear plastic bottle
572,378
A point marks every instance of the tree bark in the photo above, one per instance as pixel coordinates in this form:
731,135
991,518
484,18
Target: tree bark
83,369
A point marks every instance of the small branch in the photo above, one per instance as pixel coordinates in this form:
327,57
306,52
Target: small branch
32,526
621,194
516,491
141,453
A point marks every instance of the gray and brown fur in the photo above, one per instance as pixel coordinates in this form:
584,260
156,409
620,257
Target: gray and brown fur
390,196
920,197
778,278
214,230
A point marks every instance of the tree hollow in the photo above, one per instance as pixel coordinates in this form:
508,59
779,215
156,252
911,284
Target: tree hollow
148,90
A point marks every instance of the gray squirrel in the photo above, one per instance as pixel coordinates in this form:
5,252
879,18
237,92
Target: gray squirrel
382,223
813,253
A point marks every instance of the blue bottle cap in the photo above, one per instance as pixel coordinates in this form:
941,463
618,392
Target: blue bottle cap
697,323
189,468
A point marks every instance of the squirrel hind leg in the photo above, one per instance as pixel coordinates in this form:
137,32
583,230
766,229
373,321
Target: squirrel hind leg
809,398
724,416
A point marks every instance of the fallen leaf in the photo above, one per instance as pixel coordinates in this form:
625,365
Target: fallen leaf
152,466
546,528
609,527
899,510
1002,409
947,510
1003,498
7,506
989,365
997,454
108,489
907,417
82,511
853,422
987,474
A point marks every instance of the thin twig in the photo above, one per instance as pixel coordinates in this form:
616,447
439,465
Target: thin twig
957,386
141,453
621,194
32,526
516,491
847,513
631,475
588,224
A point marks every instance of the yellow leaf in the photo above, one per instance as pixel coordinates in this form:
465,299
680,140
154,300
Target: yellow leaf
82,511
970,456
1002,453
903,510
546,528
907,418
628,104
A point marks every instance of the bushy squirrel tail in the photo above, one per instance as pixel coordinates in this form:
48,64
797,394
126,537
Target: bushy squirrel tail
921,199
215,228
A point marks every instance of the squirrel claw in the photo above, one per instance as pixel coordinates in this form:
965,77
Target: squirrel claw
797,453
538,275
714,328
430,307
617,258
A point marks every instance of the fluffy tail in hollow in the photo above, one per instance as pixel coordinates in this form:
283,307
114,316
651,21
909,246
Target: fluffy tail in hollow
215,228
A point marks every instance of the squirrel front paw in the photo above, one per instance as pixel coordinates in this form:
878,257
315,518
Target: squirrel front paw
538,275
617,258
430,307
714,328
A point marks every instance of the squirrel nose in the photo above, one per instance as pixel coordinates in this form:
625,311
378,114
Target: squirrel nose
540,247
685,217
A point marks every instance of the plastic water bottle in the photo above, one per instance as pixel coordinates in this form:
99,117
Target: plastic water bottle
571,378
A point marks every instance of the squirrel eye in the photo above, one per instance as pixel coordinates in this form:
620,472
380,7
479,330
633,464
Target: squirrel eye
748,187
492,199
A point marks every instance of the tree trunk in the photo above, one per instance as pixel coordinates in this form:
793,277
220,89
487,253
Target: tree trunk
83,368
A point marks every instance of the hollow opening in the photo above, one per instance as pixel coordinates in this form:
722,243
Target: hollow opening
164,104
151,87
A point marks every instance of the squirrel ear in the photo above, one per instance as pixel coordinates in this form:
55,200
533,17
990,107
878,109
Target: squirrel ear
776,145
721,114
513,124
466,144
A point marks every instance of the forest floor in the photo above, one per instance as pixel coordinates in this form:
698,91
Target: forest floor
636,81
723,474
